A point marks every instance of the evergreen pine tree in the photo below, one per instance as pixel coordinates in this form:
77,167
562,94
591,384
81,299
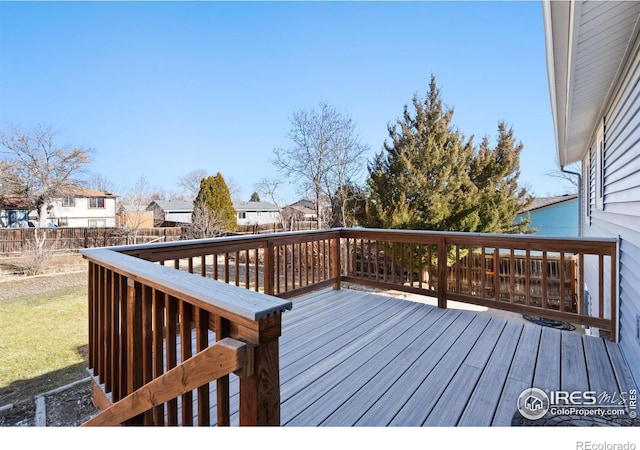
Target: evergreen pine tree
255,197
428,177
213,210
495,173
420,180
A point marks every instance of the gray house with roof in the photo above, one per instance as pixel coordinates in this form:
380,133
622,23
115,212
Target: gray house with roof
256,213
170,213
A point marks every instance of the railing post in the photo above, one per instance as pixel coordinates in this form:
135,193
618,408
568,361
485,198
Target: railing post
260,391
442,272
268,269
134,340
336,264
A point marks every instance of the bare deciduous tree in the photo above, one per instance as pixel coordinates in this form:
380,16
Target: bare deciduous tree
205,223
133,207
269,188
100,183
191,182
35,167
326,155
569,175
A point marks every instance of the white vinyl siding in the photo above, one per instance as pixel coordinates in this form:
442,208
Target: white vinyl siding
614,203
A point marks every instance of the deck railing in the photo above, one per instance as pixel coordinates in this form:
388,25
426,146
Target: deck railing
149,322
150,344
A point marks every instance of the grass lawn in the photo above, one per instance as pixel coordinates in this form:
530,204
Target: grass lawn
43,342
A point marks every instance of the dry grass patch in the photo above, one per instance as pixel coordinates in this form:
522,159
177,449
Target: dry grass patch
43,341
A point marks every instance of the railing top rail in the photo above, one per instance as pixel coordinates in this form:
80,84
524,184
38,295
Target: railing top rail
463,234
207,292
350,232
221,240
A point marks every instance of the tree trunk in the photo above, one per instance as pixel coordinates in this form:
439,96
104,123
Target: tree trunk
42,215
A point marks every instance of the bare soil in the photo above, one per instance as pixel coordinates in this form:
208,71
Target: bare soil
66,405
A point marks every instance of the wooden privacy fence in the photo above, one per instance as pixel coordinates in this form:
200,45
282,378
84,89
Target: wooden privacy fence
17,240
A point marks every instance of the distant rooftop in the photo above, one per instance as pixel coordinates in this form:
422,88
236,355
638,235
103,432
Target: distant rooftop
174,205
254,206
543,202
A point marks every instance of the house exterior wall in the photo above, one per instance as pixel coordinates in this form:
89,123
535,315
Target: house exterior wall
560,219
81,214
143,219
256,213
178,216
257,217
611,204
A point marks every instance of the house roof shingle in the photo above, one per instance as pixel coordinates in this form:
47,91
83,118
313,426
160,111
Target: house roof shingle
174,205
254,206
543,202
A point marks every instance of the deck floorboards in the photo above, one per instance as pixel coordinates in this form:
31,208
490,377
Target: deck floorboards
354,358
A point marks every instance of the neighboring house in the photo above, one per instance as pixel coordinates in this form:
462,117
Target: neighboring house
83,208
305,210
298,212
14,211
79,208
134,219
256,213
594,79
171,213
553,216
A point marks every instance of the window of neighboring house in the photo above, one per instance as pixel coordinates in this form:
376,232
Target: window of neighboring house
63,222
94,223
242,215
68,202
96,202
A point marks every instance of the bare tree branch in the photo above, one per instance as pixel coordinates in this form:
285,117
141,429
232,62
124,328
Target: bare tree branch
326,154
191,182
34,167
568,177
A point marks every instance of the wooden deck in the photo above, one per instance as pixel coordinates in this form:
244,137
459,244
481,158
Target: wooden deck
351,358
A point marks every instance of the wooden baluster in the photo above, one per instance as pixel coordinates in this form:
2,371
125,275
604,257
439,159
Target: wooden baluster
147,343
201,319
222,384
442,272
236,268
186,350
247,283
158,314
171,311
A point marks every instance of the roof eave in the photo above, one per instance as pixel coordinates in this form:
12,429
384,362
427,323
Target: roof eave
556,21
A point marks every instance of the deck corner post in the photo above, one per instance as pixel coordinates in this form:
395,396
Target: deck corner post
442,272
337,269
268,269
260,392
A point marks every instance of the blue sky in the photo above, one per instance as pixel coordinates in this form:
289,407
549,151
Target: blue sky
159,89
